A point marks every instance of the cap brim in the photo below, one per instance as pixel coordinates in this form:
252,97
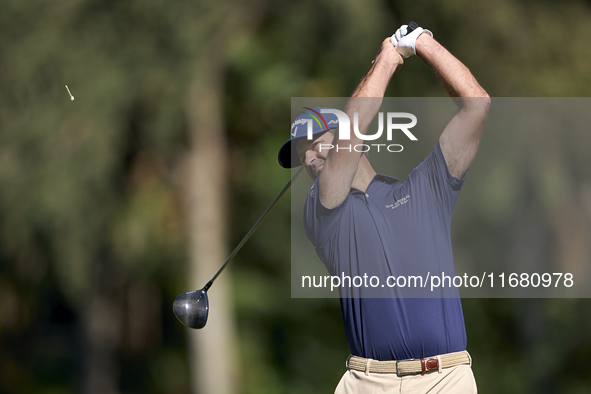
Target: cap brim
288,157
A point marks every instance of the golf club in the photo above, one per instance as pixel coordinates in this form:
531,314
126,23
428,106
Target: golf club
192,308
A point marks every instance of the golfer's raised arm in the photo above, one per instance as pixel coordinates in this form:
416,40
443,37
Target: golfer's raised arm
460,139
341,164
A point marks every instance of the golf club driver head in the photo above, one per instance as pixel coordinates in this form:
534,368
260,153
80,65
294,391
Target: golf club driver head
192,308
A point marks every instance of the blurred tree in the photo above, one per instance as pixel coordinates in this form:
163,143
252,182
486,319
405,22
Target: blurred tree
213,350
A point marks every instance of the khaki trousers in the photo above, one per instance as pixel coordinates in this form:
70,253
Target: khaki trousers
456,380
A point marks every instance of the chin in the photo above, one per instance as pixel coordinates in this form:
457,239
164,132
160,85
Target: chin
317,174
319,170
312,174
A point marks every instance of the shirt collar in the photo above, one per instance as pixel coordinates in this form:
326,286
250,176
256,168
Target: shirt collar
385,178
377,179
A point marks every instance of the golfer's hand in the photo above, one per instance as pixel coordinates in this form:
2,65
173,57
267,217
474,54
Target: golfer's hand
405,43
390,55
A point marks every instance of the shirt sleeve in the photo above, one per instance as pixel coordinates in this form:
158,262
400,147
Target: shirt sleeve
321,223
445,186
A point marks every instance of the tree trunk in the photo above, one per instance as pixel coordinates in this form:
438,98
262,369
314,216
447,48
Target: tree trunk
212,349
100,332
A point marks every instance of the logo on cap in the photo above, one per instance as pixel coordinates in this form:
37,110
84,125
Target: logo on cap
294,125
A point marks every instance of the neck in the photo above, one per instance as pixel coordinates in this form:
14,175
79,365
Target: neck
364,174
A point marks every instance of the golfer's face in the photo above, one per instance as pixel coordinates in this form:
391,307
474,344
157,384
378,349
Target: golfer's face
313,153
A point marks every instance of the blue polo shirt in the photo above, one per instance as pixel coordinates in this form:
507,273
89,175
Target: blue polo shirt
395,230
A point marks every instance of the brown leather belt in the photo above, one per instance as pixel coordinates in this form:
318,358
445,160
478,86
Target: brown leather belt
409,367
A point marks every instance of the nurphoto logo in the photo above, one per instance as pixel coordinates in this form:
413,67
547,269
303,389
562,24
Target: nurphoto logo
345,130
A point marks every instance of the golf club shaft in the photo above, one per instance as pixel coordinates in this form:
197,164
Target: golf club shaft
254,227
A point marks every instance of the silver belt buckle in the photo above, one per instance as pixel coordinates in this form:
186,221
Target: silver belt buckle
398,373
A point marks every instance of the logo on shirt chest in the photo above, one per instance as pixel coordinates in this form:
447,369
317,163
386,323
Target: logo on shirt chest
399,202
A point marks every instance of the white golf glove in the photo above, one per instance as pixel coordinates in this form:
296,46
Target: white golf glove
405,43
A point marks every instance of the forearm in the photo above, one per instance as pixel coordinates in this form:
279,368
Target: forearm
460,139
455,76
364,104
376,80
367,97
340,168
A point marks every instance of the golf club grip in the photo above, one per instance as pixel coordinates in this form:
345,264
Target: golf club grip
411,26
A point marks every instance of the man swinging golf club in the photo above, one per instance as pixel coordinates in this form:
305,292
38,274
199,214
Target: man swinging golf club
402,345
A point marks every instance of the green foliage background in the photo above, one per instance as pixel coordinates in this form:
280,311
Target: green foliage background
90,194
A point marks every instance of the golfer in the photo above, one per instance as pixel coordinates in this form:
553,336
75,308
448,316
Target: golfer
359,220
